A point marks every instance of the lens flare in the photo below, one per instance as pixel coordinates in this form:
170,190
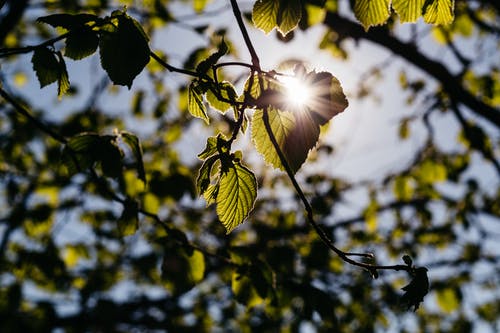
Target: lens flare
298,94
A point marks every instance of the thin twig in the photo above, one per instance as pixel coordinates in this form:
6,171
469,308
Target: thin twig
244,32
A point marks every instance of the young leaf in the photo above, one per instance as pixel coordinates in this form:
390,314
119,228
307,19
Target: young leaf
46,66
237,190
203,179
416,289
408,10
81,44
133,142
124,50
265,14
210,148
63,79
206,64
372,12
68,21
439,11
226,91
195,102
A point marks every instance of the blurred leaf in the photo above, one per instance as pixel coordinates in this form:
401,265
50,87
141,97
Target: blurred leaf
128,223
196,266
133,142
447,300
124,50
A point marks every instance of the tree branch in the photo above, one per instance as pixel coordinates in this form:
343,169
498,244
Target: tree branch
450,83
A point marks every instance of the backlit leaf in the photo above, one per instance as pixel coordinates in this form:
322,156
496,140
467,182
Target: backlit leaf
439,11
281,124
195,102
210,148
237,190
81,44
206,64
289,15
124,50
408,10
226,91
372,12
78,154
265,14
270,14
203,179
46,66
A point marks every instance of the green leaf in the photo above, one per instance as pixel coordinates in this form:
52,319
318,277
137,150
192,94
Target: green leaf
195,102
226,91
46,66
133,142
68,21
63,80
81,44
269,14
236,193
203,179
205,65
289,15
210,148
408,10
78,154
372,12
439,11
281,124
265,14
124,50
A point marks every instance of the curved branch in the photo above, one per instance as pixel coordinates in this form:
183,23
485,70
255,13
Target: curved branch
450,83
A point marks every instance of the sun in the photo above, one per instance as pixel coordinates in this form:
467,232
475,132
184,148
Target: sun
297,93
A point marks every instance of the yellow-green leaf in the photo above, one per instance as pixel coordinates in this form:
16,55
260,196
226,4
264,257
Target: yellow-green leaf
265,14
237,190
439,11
372,12
227,92
408,10
447,299
195,102
196,269
281,123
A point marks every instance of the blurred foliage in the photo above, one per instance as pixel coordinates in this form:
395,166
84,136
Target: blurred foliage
101,225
